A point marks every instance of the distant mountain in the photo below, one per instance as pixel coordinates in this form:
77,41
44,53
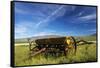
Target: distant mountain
45,36
36,37
22,40
90,37
94,34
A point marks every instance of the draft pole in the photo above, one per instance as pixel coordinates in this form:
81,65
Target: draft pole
30,55
29,44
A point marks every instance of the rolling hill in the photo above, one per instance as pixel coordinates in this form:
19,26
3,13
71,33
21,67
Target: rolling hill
21,40
91,37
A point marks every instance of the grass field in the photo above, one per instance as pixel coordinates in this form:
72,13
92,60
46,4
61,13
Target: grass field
85,53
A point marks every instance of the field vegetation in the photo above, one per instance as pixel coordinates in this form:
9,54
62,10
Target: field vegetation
85,53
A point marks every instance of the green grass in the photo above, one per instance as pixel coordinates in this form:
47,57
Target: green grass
85,53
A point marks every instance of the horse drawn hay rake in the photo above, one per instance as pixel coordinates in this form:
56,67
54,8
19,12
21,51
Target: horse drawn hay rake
52,46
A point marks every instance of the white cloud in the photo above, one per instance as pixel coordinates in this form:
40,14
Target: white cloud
43,16
84,19
88,17
24,29
17,10
47,32
20,32
53,32
20,29
80,13
54,13
43,34
92,30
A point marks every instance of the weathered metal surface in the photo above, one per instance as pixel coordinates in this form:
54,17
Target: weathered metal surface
53,45
51,41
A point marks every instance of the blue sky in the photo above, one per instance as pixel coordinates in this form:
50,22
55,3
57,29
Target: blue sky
37,19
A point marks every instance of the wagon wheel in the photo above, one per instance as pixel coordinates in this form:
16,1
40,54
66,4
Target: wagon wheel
72,47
